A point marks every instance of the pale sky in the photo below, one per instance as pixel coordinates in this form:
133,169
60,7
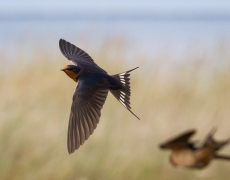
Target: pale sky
108,6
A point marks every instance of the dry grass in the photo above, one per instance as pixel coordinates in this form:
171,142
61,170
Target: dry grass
35,104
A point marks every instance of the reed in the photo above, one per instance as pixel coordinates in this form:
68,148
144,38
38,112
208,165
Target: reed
35,105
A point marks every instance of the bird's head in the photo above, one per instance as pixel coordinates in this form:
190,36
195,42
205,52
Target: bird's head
72,71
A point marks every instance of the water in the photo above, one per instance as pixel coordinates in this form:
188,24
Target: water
149,37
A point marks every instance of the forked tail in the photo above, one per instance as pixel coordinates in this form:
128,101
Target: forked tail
214,144
123,95
222,157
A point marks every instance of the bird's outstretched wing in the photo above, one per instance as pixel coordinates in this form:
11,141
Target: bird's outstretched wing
181,140
78,56
74,53
85,114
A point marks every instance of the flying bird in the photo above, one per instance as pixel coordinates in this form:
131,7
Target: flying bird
187,153
93,86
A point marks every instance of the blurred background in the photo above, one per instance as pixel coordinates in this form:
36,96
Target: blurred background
182,49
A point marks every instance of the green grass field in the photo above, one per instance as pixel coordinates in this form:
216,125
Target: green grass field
35,104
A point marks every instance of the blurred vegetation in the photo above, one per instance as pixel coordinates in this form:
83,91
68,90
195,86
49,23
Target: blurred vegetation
35,104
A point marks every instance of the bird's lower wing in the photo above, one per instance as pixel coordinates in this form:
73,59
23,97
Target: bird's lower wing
85,115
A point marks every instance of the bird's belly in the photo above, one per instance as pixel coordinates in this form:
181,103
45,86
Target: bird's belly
191,159
183,158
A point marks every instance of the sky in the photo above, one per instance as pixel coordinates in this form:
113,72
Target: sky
114,6
25,20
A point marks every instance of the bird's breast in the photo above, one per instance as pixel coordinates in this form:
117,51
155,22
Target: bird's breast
191,159
182,158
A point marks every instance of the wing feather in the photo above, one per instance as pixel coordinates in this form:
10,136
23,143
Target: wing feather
73,52
85,114
78,56
180,140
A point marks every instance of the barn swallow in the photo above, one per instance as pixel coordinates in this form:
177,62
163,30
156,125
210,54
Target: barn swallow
93,86
187,153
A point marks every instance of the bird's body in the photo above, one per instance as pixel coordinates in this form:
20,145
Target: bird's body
185,153
191,158
94,83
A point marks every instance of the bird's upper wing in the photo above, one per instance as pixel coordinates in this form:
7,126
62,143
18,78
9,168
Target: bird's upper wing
182,139
74,53
77,55
85,114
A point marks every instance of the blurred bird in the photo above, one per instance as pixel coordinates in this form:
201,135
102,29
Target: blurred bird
186,153
94,83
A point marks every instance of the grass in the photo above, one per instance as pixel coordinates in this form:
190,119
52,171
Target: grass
35,104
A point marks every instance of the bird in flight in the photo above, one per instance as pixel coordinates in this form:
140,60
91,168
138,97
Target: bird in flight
187,153
93,86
